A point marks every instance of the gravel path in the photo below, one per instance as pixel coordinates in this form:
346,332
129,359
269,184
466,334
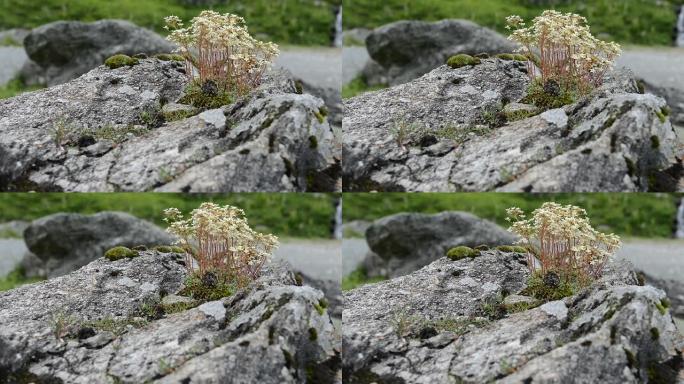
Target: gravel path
11,61
660,258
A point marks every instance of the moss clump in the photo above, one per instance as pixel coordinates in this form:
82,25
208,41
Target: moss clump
179,307
662,306
169,57
521,306
655,142
461,252
313,142
169,249
511,56
118,61
321,114
661,116
461,60
207,96
207,288
548,96
179,114
118,253
655,333
115,326
313,334
321,306
631,359
511,248
521,114
541,290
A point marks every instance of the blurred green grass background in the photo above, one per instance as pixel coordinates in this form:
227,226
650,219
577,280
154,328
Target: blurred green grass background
648,215
300,22
304,215
642,22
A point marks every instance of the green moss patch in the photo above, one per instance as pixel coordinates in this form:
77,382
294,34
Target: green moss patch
118,61
548,98
179,307
321,306
118,253
511,57
169,57
461,60
461,252
206,288
511,248
541,291
204,99
169,249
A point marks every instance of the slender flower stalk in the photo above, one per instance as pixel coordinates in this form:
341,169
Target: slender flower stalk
219,240
561,240
568,53
219,48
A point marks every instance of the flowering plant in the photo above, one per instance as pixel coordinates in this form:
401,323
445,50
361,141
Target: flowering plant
563,241
220,49
569,54
220,240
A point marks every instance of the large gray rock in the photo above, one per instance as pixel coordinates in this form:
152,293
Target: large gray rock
405,242
615,140
67,241
405,50
273,140
269,332
436,326
65,50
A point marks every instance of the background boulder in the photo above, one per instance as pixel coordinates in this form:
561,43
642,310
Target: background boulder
67,241
64,50
405,50
405,242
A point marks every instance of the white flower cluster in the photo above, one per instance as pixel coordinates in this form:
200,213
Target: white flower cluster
563,240
220,240
220,48
567,47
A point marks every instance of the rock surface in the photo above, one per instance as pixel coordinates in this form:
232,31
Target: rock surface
405,242
64,242
405,50
102,132
614,140
54,331
64,50
613,331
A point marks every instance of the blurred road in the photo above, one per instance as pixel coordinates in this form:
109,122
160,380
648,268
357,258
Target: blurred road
320,259
11,253
11,61
317,66
661,66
